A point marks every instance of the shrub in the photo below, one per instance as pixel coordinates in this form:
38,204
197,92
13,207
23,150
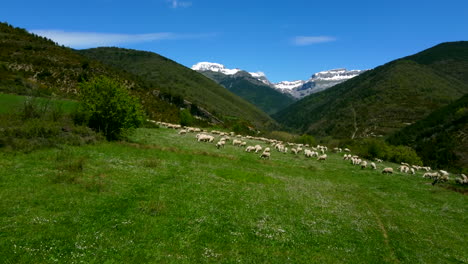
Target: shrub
186,119
108,107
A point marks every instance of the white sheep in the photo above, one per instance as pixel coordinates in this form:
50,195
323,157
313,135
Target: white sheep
322,157
463,180
265,155
220,144
182,132
250,148
258,148
363,164
387,170
236,142
373,166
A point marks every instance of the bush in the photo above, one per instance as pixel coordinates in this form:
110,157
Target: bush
108,107
186,119
376,148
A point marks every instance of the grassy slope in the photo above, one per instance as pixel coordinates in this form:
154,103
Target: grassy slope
252,90
385,99
33,65
11,102
171,77
168,198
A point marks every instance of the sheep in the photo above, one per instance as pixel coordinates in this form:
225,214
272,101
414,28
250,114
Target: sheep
267,149
431,175
363,164
387,170
322,157
294,151
250,148
308,153
243,144
220,144
182,132
236,142
373,166
378,160
265,155
258,148
412,171
347,150
463,180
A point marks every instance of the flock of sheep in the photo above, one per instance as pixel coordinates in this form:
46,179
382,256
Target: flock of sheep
318,152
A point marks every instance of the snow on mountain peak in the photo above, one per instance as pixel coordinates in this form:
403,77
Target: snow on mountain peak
215,67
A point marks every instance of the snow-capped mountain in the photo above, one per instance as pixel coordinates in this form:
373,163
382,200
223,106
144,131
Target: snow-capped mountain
217,67
317,82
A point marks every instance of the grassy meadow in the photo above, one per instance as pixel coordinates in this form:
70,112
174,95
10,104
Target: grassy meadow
13,102
166,198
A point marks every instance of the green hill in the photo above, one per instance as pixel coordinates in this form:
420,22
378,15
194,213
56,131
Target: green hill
33,65
252,90
385,99
173,78
441,139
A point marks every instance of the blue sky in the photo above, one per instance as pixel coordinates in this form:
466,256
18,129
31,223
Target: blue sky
287,40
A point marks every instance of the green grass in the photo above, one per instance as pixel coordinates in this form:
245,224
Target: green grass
12,102
165,198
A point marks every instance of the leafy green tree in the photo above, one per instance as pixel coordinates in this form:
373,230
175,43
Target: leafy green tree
186,119
109,108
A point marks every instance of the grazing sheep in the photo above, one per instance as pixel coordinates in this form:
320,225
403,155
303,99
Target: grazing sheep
308,153
387,170
236,142
431,175
243,144
267,149
265,155
250,148
347,150
363,164
294,151
258,148
463,180
437,177
322,157
372,164
220,144
182,132
378,160
412,171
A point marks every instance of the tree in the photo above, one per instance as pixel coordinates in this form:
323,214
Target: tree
109,108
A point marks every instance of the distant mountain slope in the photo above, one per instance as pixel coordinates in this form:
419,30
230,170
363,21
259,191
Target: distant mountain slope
252,89
385,99
33,65
171,77
441,139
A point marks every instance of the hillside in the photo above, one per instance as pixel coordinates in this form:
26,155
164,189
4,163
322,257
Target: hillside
166,198
252,90
385,99
173,78
441,139
33,65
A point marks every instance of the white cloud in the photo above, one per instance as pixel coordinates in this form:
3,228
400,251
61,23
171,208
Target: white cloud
94,39
309,40
177,3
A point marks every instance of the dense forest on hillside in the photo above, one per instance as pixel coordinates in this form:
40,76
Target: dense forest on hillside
383,100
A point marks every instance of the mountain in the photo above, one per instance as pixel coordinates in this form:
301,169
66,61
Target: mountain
34,65
440,139
252,86
172,78
318,82
381,101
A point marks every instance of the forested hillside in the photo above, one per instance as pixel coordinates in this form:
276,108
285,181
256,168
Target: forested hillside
385,99
173,78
